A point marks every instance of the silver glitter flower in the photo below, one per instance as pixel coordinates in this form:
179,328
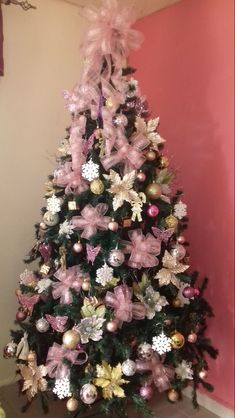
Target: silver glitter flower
90,329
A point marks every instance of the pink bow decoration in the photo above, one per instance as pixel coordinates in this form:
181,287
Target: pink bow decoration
124,309
58,323
28,301
92,219
161,374
83,97
73,181
128,153
72,278
142,249
56,369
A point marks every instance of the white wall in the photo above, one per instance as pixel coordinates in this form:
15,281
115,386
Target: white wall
41,52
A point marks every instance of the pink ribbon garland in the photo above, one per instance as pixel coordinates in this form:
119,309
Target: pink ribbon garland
83,97
142,249
128,153
92,219
72,180
72,278
122,305
56,369
161,374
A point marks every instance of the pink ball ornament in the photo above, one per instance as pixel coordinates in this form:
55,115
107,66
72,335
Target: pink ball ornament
146,392
113,226
112,326
202,374
178,251
192,338
21,315
141,176
188,292
43,225
181,239
152,211
77,247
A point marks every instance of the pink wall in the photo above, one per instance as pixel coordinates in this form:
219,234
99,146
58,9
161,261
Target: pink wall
185,68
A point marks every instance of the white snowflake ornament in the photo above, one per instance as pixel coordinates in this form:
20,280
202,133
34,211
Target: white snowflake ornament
184,370
104,275
43,285
54,204
62,388
90,170
66,229
161,344
180,210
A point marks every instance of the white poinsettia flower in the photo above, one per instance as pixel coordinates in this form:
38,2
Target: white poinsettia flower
184,370
43,285
150,130
66,228
90,329
122,188
153,301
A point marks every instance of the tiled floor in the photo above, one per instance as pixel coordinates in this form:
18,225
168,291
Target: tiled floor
12,404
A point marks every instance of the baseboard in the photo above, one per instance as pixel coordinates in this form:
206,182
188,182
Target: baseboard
210,404
8,381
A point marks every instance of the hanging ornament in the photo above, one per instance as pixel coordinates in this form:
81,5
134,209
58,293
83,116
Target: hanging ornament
141,176
32,357
192,338
181,239
112,326
51,219
104,275
88,394
128,368
43,226
21,314
72,205
178,251
71,338
44,269
116,258
180,210
9,350
54,204
177,340
152,211
146,392
163,162
189,292
173,395
171,221
90,170
42,325
176,302
161,344
184,370
66,229
77,247
113,226
92,252
72,404
202,374
145,352
97,186
86,285
62,388
150,155
153,191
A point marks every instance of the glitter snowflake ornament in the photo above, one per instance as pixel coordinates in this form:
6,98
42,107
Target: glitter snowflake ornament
54,204
161,344
184,370
104,275
66,229
180,210
62,388
90,171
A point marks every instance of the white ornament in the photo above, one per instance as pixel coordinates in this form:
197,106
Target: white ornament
180,210
54,204
145,352
90,170
184,370
104,275
43,285
62,388
42,325
128,367
50,219
66,229
180,295
137,207
161,344
88,394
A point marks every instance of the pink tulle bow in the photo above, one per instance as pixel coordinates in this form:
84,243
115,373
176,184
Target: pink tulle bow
92,219
161,374
128,153
124,309
84,97
58,323
56,369
71,278
71,179
142,249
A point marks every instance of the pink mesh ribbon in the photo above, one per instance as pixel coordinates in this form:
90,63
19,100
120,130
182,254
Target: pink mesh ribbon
72,278
83,97
72,180
128,153
92,219
161,374
56,369
142,249
121,302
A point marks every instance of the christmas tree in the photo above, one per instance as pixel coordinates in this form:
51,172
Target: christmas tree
111,312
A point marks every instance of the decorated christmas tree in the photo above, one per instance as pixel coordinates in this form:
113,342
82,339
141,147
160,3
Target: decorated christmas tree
111,313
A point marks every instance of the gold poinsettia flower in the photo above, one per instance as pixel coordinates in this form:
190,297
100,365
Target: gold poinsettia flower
110,380
34,381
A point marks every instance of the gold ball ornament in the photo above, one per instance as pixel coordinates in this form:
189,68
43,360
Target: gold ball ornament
153,191
71,338
32,357
97,186
72,405
176,303
173,395
171,221
86,285
151,155
177,340
163,162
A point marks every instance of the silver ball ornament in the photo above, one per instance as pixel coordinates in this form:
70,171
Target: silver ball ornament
116,258
145,351
128,367
51,219
42,325
9,350
88,394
